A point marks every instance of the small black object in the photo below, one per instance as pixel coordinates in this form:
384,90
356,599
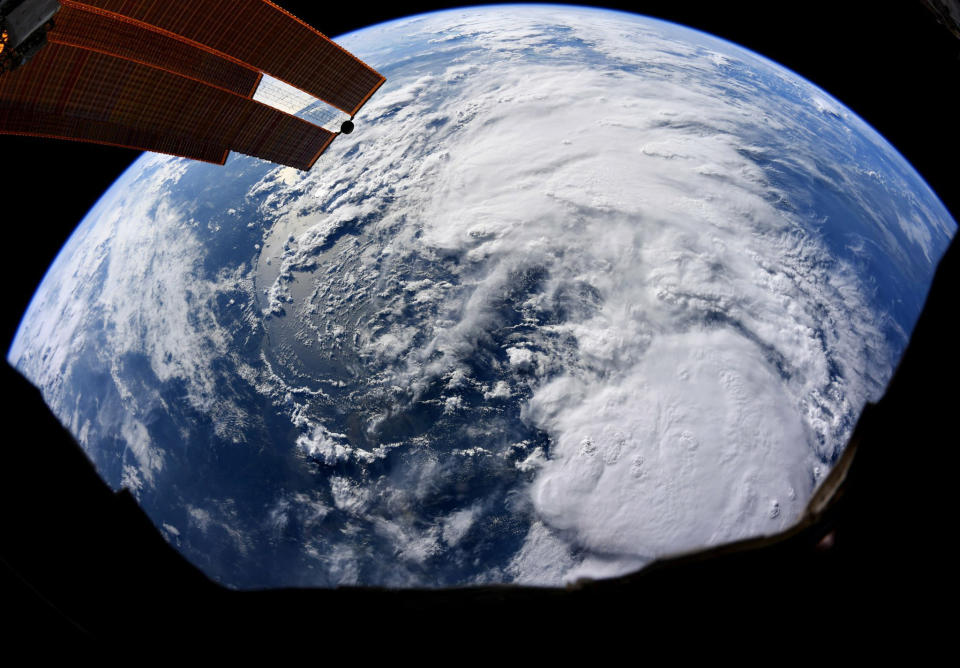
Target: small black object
346,127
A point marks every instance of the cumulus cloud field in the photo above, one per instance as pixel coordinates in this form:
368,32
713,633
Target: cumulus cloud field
582,290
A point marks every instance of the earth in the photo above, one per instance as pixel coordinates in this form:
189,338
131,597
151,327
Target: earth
583,289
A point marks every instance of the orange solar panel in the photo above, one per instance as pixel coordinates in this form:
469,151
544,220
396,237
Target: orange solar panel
119,36
179,77
74,93
25,121
264,36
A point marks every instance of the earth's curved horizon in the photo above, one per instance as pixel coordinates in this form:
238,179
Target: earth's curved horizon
583,289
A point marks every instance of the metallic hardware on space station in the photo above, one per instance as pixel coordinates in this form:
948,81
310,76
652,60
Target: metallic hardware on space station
23,29
178,77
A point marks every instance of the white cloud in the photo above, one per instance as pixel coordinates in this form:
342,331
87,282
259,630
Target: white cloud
520,358
452,404
500,390
458,523
544,559
411,544
199,517
220,516
688,448
349,496
324,445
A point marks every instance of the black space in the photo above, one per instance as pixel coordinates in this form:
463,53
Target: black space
891,63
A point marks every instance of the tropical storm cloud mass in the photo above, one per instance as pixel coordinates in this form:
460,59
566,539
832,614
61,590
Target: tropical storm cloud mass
583,289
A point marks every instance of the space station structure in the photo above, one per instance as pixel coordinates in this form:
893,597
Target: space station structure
192,78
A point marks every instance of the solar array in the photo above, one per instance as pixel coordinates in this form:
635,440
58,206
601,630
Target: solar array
181,77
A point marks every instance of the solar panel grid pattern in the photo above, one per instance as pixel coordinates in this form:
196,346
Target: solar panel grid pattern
79,94
37,105
108,33
20,121
281,138
262,35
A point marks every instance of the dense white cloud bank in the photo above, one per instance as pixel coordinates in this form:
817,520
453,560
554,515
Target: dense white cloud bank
585,255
